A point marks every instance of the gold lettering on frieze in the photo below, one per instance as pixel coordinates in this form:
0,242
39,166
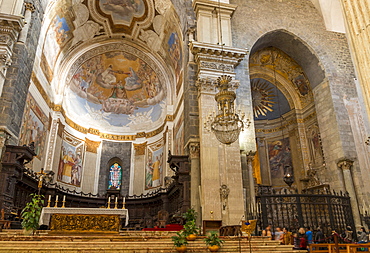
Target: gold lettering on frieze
94,131
85,223
155,132
77,127
140,135
117,137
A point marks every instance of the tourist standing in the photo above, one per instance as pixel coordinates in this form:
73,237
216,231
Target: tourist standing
267,231
287,237
319,236
309,235
300,240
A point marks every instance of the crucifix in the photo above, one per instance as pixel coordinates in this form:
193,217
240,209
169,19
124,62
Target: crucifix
41,179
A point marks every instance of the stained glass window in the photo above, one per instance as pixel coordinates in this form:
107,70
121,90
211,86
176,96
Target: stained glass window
115,177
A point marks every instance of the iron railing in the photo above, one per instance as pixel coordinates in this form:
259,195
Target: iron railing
321,208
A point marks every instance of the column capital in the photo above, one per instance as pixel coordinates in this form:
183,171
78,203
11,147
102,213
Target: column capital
29,7
194,150
345,164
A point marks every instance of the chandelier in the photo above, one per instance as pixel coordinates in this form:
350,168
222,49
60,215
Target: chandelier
226,124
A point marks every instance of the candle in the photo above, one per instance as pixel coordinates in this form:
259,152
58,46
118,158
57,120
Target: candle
109,200
124,200
49,198
64,198
56,200
116,199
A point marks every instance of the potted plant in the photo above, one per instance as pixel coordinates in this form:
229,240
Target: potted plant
191,230
179,241
213,241
190,215
31,213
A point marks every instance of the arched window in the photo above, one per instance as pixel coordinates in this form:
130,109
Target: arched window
115,177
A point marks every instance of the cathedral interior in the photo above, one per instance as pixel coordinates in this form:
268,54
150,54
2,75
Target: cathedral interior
120,99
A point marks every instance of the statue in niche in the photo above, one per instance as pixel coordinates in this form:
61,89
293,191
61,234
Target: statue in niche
115,177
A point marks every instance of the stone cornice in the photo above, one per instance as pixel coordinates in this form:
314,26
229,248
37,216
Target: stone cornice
217,51
224,7
215,60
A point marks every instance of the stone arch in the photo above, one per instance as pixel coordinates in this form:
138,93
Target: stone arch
290,129
296,48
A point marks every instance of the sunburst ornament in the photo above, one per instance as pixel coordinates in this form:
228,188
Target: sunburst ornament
262,98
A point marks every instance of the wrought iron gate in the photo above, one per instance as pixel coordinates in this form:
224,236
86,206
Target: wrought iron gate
324,209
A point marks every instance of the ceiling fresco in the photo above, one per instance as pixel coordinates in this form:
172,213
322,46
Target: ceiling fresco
122,11
123,57
116,88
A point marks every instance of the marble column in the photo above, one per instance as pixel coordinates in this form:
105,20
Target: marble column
346,165
194,150
252,194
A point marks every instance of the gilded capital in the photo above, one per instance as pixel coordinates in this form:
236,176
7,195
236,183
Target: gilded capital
92,146
29,7
140,148
345,164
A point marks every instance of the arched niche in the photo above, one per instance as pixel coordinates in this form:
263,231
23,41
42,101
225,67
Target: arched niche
282,90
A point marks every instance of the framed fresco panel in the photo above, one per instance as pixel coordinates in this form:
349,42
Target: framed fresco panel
70,162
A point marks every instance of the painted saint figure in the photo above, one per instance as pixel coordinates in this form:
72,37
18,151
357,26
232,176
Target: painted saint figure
115,176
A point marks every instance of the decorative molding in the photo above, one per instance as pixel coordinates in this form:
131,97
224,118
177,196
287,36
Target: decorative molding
54,128
10,27
286,124
206,85
140,148
215,60
92,146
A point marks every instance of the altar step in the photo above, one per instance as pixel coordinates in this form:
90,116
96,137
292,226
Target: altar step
133,243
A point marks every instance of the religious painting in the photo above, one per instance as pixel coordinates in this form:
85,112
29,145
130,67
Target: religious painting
34,127
154,165
280,160
122,11
57,35
70,162
115,177
116,89
179,137
315,145
174,49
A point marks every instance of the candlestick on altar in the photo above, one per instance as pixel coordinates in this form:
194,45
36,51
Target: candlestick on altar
108,207
115,203
123,203
49,200
56,202
64,201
